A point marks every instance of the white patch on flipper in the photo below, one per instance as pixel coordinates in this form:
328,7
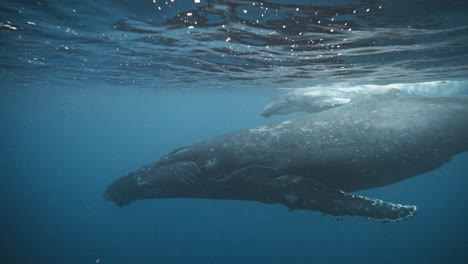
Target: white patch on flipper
394,207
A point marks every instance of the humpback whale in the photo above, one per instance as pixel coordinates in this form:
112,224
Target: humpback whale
314,162
313,99
308,100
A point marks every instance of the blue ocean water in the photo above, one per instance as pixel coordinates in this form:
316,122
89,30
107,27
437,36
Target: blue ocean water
91,90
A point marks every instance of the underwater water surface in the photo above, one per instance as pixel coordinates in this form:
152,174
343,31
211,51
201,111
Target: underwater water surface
91,90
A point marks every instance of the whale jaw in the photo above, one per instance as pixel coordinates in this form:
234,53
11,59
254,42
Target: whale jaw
184,179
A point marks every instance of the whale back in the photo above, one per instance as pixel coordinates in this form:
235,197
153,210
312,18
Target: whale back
381,139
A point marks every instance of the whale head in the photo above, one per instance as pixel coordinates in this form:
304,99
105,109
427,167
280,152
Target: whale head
280,106
174,180
311,102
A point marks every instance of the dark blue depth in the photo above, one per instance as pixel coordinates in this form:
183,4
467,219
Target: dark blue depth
91,90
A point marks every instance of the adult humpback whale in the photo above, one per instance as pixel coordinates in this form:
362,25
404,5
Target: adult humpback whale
313,162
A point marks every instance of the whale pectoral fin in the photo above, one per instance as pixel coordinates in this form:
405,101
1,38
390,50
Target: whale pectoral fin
302,193
355,205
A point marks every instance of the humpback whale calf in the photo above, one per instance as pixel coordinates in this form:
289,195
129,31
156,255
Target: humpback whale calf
306,100
313,99
314,162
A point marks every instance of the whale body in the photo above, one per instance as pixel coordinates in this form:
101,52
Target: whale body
314,162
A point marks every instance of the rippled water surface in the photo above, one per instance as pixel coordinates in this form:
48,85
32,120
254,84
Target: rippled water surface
272,43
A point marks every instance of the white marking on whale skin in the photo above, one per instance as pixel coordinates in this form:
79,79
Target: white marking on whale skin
291,197
393,207
277,127
289,178
313,93
211,163
183,180
181,151
266,129
275,131
280,126
140,181
281,178
337,101
320,123
262,129
296,179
